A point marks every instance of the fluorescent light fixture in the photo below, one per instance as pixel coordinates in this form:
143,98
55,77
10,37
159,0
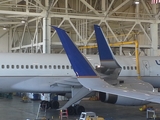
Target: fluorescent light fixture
136,3
23,21
4,28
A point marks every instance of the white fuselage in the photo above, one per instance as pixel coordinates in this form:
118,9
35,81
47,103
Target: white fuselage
44,72
36,72
149,68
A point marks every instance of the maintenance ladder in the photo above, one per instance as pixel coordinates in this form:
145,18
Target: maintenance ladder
63,114
41,114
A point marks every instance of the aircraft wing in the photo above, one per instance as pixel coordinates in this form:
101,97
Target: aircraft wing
87,76
67,83
96,84
109,64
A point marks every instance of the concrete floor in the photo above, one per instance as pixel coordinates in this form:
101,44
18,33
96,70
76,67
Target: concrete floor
14,109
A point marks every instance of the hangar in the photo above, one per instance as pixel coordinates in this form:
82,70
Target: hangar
25,25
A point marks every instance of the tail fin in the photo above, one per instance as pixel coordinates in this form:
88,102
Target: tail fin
79,63
106,55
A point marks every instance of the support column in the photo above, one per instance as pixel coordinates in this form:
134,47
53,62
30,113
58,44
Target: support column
10,40
46,35
137,10
154,37
103,5
120,50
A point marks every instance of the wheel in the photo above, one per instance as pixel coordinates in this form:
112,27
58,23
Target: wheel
79,109
54,104
71,110
45,104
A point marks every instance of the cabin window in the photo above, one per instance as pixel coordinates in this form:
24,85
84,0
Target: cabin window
59,67
135,68
54,66
17,66
36,66
63,67
124,67
127,67
41,67
27,66
131,67
22,66
12,66
31,66
50,66
67,67
2,66
45,66
7,67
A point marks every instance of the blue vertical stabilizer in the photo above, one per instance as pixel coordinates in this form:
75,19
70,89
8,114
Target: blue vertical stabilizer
105,53
79,63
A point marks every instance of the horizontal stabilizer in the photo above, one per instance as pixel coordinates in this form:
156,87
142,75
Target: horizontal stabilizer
105,53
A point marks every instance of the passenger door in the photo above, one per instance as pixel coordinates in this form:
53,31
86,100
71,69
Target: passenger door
146,68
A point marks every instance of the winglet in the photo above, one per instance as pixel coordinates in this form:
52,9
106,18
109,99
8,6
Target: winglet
80,65
105,53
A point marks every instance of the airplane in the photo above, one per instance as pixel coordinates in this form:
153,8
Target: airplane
122,93
149,65
53,73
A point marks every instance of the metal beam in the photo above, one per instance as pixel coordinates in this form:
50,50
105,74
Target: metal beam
145,32
111,31
37,1
2,2
126,1
7,23
100,18
90,7
130,31
58,26
75,29
93,32
109,8
144,4
21,13
22,39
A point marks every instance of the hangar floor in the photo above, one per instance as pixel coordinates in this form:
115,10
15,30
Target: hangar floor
14,109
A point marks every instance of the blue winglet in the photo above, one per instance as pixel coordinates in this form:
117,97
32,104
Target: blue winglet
80,65
105,52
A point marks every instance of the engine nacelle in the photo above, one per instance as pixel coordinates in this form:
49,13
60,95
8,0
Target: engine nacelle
120,100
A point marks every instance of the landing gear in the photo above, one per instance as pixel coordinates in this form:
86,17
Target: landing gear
75,110
54,104
79,109
45,104
71,110
49,104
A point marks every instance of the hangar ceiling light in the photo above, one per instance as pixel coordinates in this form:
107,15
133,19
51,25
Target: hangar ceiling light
4,28
23,21
136,2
